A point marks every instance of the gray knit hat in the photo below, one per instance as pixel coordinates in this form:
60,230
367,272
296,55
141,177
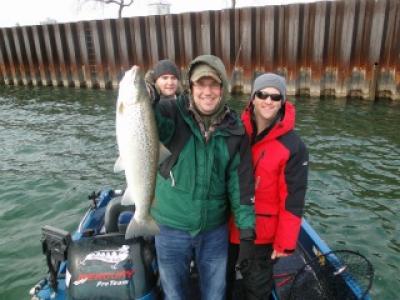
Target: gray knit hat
165,66
270,80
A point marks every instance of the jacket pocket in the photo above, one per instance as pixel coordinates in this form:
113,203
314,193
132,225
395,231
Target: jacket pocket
182,174
170,201
180,182
266,225
266,183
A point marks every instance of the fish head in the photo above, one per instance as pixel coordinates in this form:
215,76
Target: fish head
132,89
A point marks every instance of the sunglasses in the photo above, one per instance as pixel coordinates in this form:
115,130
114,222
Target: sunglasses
263,96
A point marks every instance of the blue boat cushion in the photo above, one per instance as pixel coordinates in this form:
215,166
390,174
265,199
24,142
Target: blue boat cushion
123,220
112,216
110,267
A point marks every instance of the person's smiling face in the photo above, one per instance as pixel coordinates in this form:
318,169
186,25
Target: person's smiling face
167,84
265,110
206,94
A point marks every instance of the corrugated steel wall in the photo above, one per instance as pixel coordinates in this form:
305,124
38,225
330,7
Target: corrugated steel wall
342,48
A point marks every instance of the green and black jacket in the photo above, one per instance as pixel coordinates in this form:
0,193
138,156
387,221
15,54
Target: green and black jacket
202,183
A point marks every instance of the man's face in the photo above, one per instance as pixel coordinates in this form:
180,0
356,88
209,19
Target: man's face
167,84
267,109
206,95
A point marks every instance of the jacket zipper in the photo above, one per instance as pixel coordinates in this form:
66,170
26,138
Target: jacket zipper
171,175
258,161
258,178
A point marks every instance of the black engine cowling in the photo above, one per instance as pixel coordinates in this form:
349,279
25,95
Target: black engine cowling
110,267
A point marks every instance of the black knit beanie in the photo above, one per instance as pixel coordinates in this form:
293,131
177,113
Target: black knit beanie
165,66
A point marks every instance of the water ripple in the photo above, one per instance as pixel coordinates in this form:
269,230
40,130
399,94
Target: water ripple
58,145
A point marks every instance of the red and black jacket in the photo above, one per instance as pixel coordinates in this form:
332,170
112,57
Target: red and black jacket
280,162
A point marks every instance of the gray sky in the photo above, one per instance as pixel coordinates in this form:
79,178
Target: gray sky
31,12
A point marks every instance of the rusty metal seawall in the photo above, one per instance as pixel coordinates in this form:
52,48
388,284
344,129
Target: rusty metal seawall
340,48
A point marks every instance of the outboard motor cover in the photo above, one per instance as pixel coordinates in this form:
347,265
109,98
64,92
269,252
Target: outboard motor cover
110,267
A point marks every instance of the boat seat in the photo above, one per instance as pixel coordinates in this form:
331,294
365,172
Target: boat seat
117,216
123,220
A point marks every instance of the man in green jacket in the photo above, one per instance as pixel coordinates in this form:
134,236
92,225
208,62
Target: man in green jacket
207,177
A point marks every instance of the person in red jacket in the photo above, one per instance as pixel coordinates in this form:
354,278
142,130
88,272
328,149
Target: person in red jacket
280,161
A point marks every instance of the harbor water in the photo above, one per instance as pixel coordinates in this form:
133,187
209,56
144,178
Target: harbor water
58,145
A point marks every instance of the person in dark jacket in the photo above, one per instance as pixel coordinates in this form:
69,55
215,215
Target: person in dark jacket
207,177
165,77
280,161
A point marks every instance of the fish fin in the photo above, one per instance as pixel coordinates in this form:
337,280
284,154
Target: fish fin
118,166
127,198
147,227
164,153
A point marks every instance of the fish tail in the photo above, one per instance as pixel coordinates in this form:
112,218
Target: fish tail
147,227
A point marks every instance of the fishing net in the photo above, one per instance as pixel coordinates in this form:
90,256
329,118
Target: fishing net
341,274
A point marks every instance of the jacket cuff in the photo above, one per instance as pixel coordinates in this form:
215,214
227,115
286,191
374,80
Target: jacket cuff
283,250
247,234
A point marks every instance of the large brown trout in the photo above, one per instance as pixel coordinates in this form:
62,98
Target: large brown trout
139,151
